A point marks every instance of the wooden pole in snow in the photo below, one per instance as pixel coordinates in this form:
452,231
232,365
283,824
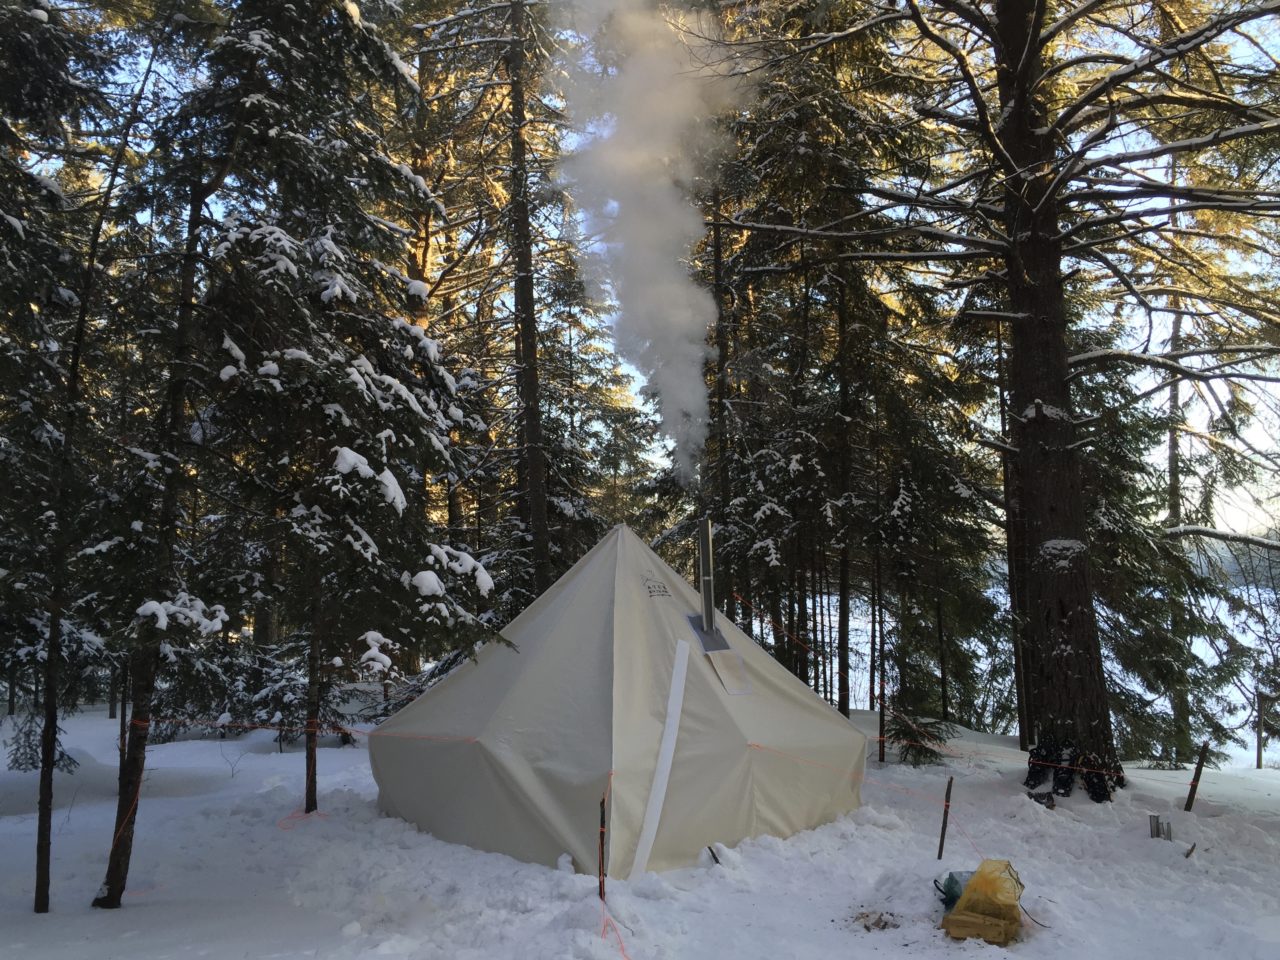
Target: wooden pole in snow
602,829
1195,781
946,812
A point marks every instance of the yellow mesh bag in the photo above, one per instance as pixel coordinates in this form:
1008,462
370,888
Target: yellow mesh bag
988,907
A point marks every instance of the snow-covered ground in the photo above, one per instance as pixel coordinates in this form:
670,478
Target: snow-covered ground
225,868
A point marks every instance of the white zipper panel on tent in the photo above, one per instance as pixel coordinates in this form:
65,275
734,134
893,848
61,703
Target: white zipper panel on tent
662,772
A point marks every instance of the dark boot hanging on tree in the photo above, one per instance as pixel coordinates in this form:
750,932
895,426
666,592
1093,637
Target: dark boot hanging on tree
1063,761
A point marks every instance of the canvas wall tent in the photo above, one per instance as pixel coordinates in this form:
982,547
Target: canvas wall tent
608,687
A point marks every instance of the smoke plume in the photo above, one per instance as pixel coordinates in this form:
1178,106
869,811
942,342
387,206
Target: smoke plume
642,98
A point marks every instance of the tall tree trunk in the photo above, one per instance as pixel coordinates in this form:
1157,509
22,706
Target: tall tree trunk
1070,685
942,658
901,645
266,614
526,316
483,329
314,644
781,642
789,625
846,454
818,591
720,418
142,671
12,678
144,661
842,641
125,700
803,634
453,507
61,551
48,747
1179,698
873,606
883,663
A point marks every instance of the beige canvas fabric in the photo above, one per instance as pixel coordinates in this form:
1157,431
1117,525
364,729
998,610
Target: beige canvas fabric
513,751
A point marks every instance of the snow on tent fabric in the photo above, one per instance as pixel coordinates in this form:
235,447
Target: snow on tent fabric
606,687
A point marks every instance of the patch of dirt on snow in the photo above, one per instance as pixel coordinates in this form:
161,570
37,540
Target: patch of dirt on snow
876,920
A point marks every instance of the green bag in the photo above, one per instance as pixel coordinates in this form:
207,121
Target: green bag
951,886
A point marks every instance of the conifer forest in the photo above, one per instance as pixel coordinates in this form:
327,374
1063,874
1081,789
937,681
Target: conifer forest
333,332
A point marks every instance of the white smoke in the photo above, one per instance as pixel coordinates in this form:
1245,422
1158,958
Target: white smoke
645,118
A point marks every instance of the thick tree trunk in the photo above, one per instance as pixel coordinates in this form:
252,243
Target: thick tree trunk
1067,677
526,316
1015,559
1068,680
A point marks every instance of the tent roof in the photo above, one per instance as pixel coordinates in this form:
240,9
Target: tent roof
605,688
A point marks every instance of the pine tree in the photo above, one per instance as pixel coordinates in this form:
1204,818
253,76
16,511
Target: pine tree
296,386
1052,134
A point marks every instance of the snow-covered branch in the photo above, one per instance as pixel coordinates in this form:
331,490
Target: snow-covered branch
1184,43
1191,530
1172,364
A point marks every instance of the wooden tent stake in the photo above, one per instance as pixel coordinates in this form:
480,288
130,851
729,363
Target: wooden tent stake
946,812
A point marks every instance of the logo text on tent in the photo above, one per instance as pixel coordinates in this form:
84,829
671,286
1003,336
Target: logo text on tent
654,586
